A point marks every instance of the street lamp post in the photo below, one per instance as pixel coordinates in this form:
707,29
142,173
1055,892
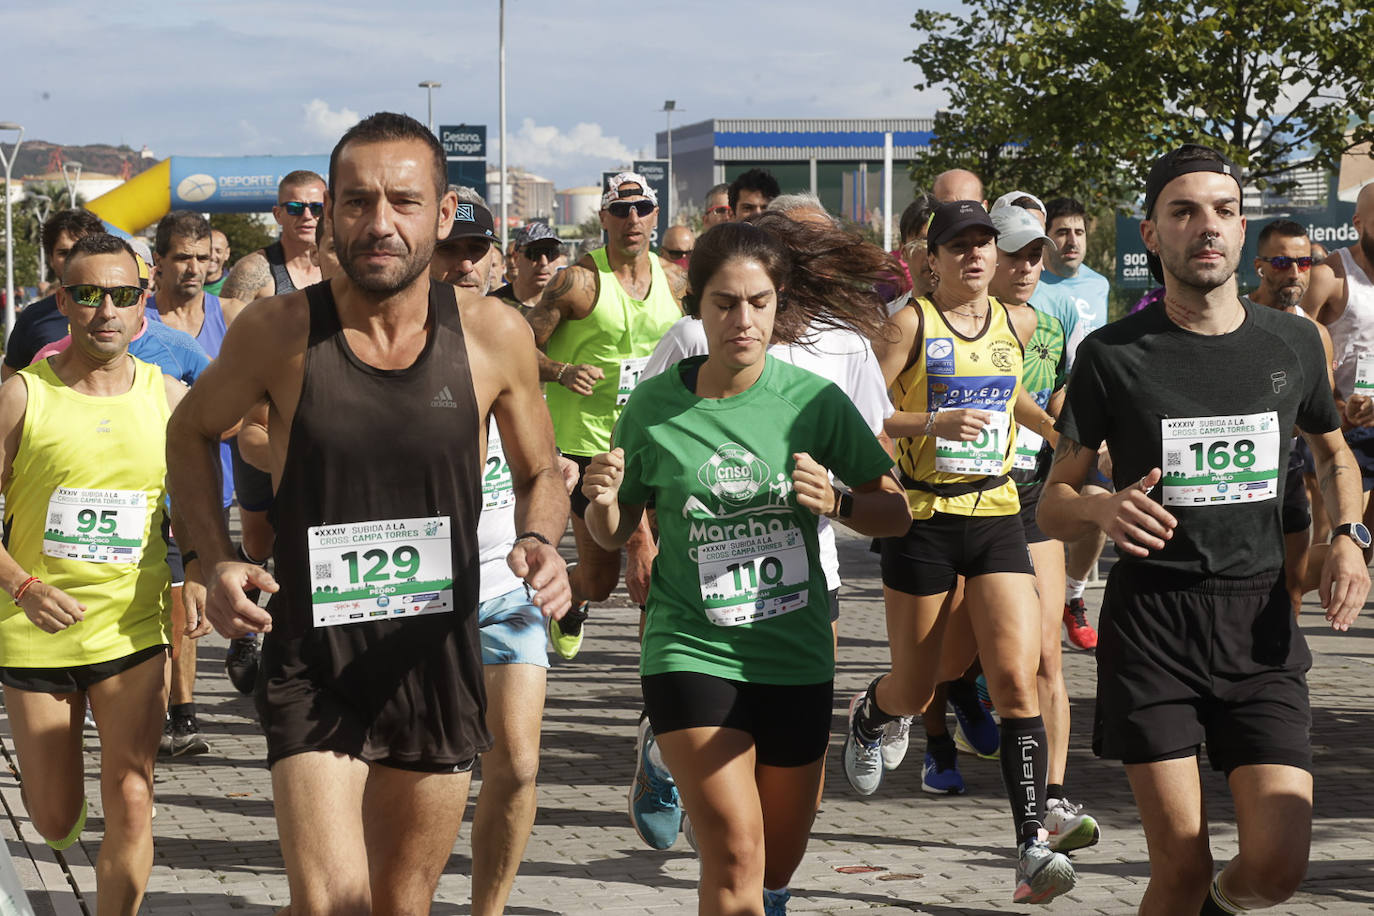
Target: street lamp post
669,107
8,162
429,86
42,206
501,63
71,174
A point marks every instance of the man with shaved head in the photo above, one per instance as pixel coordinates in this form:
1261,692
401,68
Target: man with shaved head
1340,295
958,184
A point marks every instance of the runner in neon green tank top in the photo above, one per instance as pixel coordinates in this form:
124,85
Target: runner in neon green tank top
82,448
596,325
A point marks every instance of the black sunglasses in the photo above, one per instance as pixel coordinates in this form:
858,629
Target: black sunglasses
297,207
676,253
92,295
1283,263
621,208
535,252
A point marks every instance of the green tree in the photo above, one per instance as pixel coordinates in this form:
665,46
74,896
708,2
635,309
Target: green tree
246,234
1078,96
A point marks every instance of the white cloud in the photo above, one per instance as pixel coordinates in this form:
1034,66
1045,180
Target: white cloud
534,146
327,123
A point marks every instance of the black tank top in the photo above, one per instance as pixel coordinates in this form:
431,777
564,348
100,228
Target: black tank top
276,262
370,444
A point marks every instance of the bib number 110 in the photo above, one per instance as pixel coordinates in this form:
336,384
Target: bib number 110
405,561
1219,455
747,575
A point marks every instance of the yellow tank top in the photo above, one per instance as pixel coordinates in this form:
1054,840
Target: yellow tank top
84,511
952,372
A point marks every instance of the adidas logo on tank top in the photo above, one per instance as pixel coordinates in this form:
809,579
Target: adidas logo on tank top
444,399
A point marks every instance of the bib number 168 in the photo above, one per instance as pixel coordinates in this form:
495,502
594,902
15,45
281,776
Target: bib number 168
1219,455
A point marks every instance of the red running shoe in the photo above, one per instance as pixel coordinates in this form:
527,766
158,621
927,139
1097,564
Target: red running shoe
1081,634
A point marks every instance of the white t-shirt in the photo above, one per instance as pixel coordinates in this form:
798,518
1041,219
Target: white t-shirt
841,357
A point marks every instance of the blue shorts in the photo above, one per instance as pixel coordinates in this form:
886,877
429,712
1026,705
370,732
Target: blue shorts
512,630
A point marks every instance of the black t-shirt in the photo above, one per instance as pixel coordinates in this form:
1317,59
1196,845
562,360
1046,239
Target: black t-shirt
507,295
39,324
1215,414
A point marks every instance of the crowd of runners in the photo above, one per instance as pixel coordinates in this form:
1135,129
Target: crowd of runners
406,417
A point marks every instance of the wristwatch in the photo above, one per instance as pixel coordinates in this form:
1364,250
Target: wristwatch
1356,532
844,503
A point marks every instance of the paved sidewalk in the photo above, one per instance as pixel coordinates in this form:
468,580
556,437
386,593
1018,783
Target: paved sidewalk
899,851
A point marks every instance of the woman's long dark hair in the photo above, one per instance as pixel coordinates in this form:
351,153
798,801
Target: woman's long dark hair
825,277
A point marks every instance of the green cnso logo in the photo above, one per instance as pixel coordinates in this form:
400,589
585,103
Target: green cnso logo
734,474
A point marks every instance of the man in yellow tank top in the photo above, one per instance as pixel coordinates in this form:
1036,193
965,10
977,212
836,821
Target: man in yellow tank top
596,325
84,565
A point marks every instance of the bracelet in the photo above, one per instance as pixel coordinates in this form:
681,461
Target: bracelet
930,424
28,583
535,535
558,379
188,556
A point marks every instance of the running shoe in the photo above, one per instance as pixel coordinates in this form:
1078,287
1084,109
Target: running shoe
974,729
241,662
164,744
893,744
863,759
985,695
941,774
89,721
689,833
1041,873
566,634
186,739
1080,633
1069,828
654,807
775,902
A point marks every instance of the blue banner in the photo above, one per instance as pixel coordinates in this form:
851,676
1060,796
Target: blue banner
234,184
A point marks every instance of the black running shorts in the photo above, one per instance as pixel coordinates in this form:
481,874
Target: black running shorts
75,678
1361,442
935,551
790,724
1297,509
1220,661
1030,501
252,487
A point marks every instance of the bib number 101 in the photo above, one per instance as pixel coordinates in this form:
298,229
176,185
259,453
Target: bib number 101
747,575
1220,455
404,562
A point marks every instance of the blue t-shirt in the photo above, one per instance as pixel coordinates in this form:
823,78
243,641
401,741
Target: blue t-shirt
175,352
39,324
1080,303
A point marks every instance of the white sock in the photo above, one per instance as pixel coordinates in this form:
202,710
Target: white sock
1074,588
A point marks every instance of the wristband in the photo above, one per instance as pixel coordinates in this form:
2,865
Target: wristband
27,584
558,379
188,556
534,535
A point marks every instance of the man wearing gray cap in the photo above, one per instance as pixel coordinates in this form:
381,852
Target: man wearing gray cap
1195,397
597,324
538,256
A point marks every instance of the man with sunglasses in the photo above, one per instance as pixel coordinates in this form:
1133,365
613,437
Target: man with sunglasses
717,209
677,246
597,324
84,566
538,256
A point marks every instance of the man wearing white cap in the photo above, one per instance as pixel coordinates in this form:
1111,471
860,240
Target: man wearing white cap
597,324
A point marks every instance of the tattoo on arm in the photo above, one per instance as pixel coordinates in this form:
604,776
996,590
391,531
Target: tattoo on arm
677,280
1067,449
1328,483
247,277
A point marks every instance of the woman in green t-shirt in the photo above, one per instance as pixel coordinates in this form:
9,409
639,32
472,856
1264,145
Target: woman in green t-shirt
737,660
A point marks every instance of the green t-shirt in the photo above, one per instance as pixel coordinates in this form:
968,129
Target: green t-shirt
737,590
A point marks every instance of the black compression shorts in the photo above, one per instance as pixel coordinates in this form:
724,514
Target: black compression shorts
935,551
75,678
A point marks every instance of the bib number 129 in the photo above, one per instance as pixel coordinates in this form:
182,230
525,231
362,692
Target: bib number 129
404,562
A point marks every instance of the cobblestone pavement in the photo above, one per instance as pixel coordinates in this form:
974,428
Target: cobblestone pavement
899,851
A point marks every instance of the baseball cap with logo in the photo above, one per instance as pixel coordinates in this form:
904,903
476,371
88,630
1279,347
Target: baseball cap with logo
614,190
954,217
472,221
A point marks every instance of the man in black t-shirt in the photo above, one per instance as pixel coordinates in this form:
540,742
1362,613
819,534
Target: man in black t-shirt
40,323
1195,397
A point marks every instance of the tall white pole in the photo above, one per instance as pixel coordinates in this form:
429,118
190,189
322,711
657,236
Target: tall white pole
9,224
71,174
42,206
887,191
671,180
502,118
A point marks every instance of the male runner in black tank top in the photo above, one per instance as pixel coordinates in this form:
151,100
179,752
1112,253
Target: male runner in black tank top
378,394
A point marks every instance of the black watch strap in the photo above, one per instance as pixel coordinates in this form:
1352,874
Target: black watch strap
535,535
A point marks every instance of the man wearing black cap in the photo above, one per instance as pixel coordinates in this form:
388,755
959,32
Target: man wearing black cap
464,257
1194,397
597,323
538,256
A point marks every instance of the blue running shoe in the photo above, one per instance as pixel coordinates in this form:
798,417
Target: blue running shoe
941,776
975,731
775,902
654,807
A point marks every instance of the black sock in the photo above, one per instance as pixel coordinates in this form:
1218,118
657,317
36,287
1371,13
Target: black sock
868,718
1025,758
1053,790
964,694
1216,903
942,748
177,710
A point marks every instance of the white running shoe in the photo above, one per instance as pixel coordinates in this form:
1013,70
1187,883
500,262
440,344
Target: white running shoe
1041,873
863,760
893,745
1069,828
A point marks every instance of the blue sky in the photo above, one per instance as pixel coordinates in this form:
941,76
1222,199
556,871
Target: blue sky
585,81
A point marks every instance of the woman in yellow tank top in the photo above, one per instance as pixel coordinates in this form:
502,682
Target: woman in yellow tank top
955,375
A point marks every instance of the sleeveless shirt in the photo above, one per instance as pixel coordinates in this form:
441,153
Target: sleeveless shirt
617,337
954,372
368,449
276,262
84,512
1352,334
